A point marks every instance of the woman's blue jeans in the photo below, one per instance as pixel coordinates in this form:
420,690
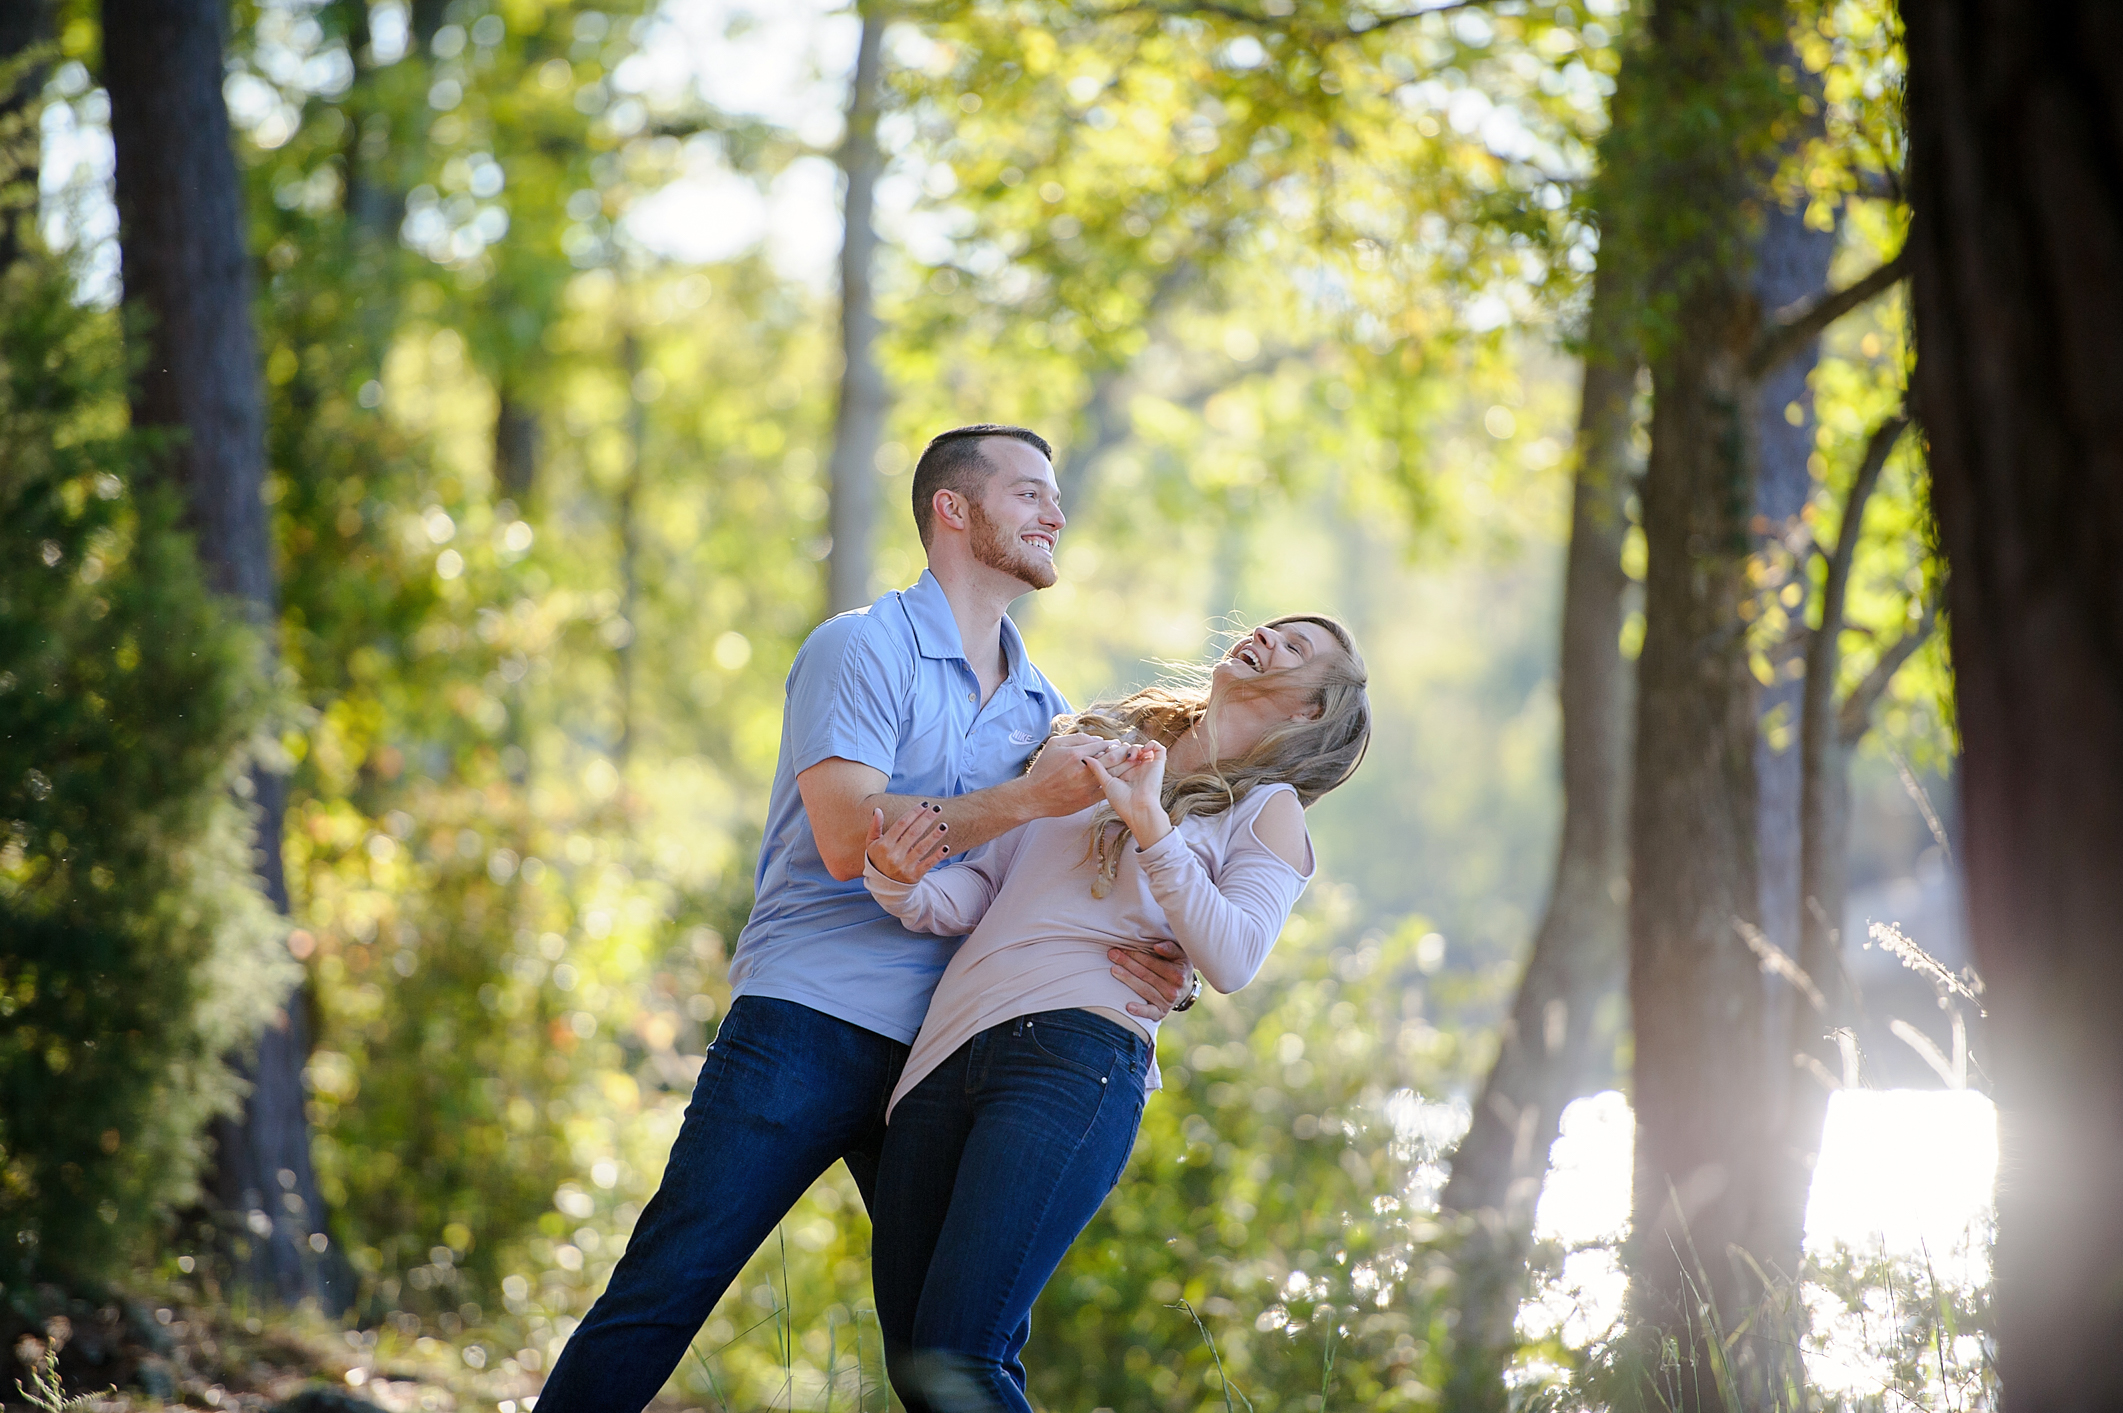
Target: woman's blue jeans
991,1166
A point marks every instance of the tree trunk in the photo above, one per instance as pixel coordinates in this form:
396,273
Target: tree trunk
1576,962
187,278
423,19
24,25
1680,187
516,446
859,422
371,203
1695,989
1790,264
627,645
2017,258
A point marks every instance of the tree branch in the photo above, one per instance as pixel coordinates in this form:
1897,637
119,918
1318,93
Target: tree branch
1799,324
1878,447
1823,649
1854,717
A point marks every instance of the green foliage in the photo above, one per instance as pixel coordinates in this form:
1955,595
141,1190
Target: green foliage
139,949
1234,244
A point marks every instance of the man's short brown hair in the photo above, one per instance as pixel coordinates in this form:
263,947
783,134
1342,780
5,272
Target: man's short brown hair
953,461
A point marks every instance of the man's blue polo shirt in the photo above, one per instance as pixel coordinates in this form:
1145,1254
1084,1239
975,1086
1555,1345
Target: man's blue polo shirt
887,686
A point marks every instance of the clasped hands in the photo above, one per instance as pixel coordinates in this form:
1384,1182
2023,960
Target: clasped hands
1073,770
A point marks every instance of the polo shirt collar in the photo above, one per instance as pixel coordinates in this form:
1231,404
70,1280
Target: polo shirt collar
935,630
936,633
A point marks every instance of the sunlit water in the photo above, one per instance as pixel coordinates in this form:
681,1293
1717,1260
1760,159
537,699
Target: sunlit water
1903,1173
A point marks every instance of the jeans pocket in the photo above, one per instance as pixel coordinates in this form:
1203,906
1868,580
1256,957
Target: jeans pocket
1071,1049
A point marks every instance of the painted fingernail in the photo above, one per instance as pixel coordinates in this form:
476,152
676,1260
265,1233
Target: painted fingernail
941,827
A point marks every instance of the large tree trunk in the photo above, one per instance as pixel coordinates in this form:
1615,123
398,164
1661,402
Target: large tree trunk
1695,989
187,278
2017,258
1576,962
859,423
24,26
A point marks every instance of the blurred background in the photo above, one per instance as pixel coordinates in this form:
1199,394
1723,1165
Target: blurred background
584,404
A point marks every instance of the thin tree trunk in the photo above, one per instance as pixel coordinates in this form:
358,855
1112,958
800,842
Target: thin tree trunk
1576,963
1790,264
423,19
24,26
187,278
1827,734
859,422
516,446
371,203
2017,258
627,648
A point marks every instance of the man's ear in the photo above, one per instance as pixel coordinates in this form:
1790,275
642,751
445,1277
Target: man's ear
1313,711
949,507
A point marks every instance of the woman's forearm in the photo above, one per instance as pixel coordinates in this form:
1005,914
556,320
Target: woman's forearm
948,902
1227,926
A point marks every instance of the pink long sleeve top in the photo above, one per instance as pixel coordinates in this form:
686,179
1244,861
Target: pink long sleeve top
1038,937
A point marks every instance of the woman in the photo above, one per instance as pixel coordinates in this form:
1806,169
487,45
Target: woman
1019,1102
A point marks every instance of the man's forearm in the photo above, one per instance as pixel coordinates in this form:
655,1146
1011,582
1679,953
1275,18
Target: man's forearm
975,818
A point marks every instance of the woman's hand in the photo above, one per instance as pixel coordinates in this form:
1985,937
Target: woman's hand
1135,788
911,847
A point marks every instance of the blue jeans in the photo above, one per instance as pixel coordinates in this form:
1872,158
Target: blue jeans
785,1091
992,1165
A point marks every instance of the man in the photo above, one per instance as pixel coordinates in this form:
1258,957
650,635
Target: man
924,698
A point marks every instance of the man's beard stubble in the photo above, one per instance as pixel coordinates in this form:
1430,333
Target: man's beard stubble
1005,554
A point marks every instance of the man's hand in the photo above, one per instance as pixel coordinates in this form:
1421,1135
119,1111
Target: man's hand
1162,976
1059,782
912,846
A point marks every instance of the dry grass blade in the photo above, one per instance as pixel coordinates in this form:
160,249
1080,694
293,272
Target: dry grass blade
1777,962
1931,1054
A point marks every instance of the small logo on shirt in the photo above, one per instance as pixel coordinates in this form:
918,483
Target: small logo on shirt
1023,738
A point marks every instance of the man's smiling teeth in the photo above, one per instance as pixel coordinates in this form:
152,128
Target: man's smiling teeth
1248,657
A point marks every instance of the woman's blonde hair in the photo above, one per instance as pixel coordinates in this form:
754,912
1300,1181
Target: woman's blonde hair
1313,754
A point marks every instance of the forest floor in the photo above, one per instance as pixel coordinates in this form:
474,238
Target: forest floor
136,1352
